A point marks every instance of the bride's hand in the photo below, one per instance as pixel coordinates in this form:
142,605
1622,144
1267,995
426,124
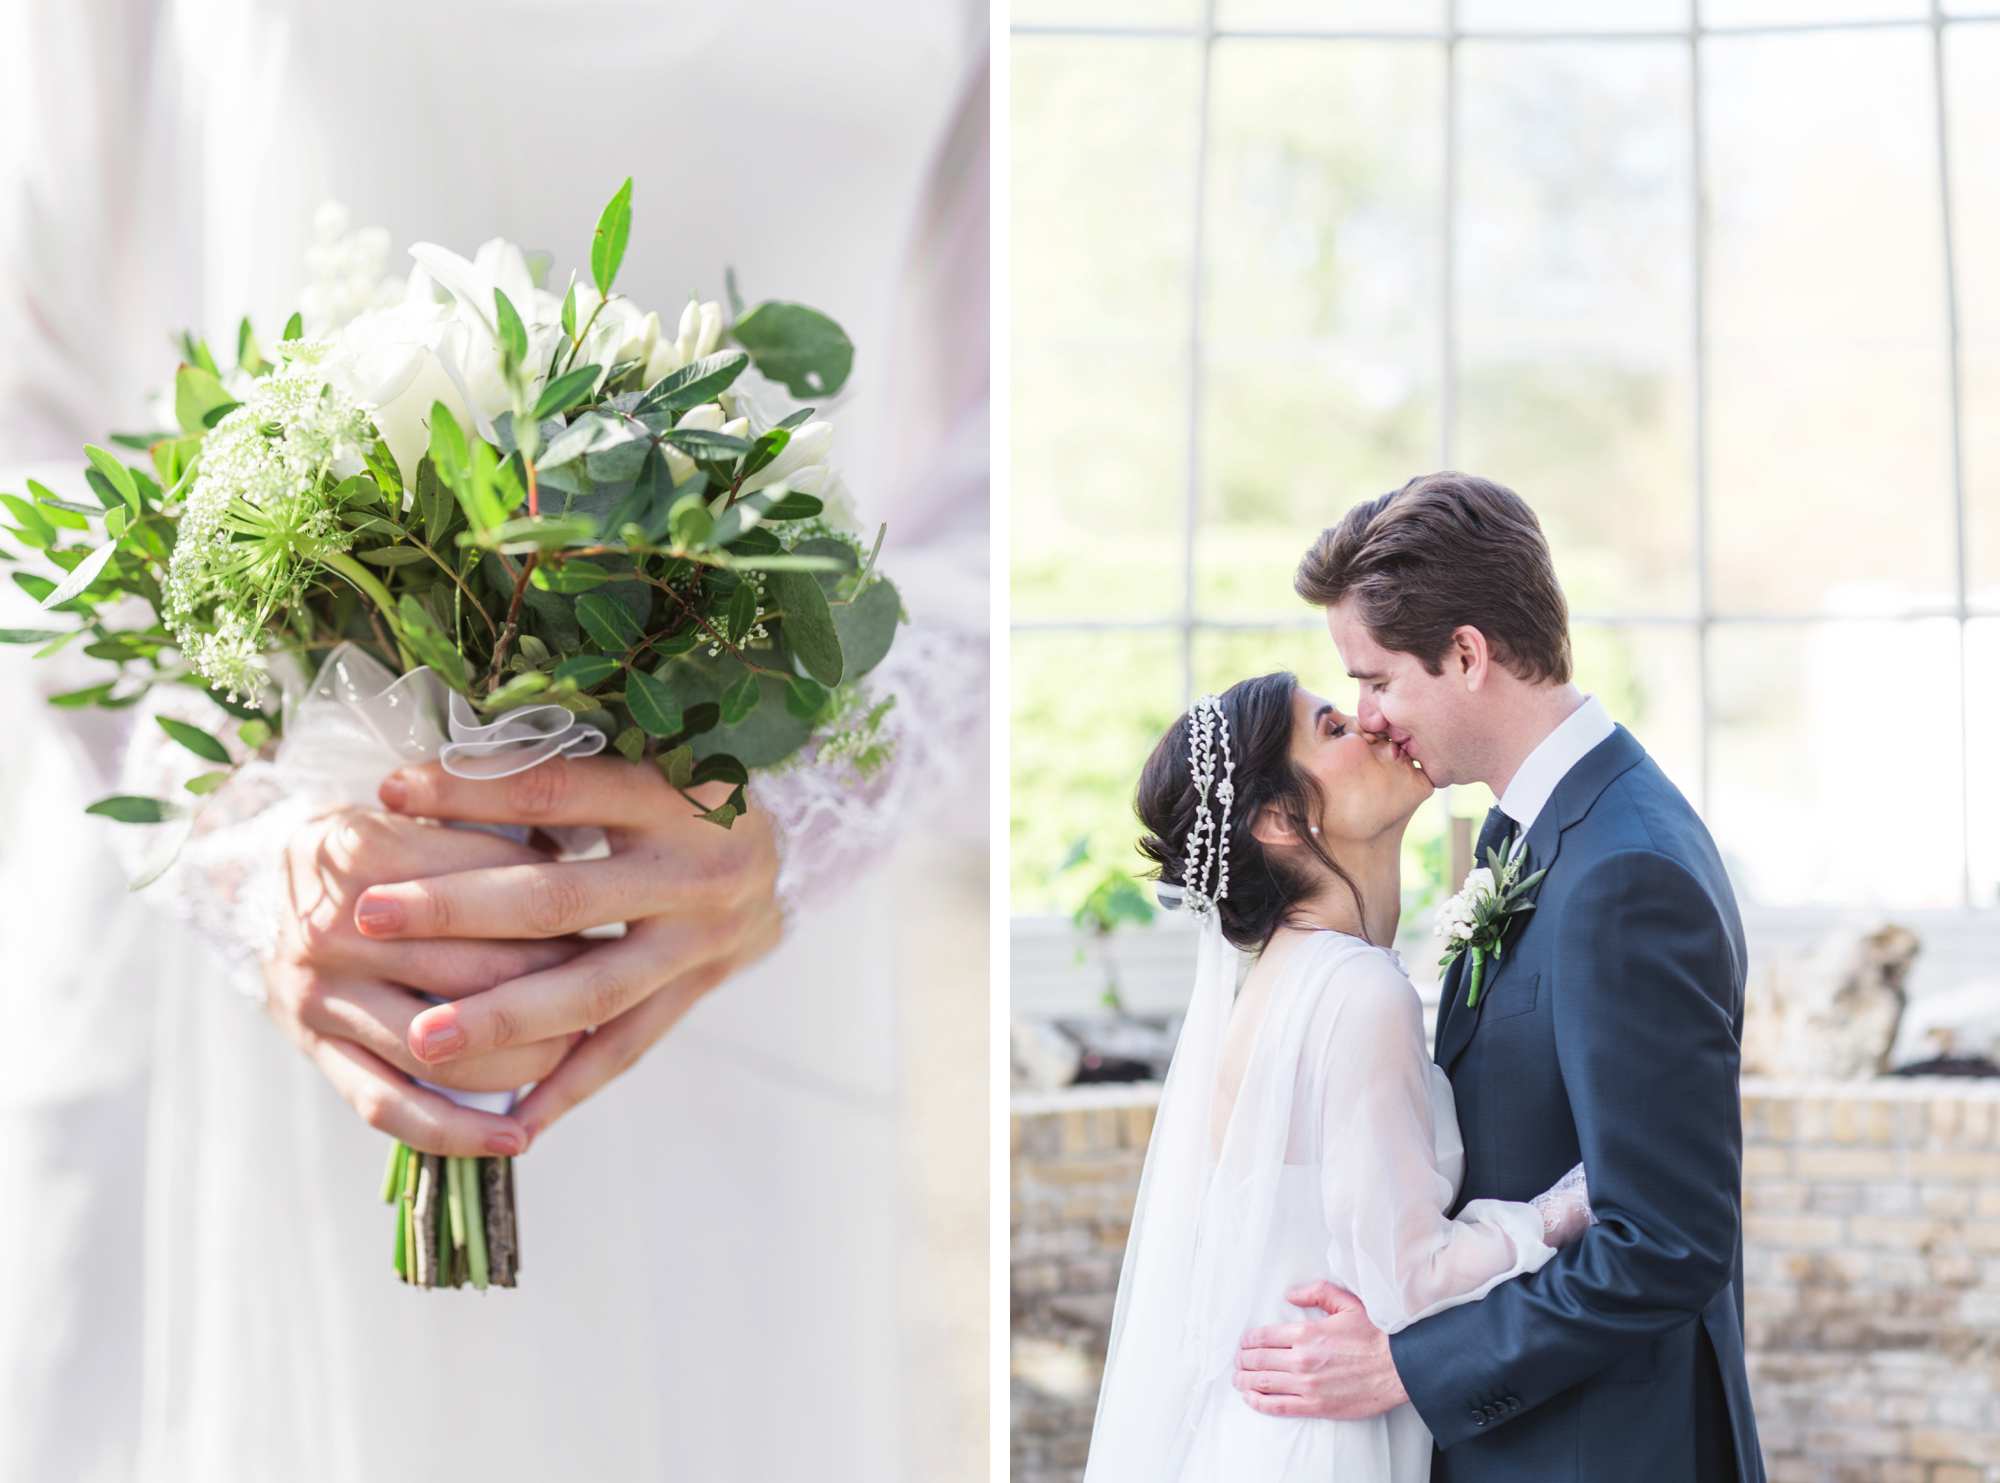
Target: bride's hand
697,903
348,1002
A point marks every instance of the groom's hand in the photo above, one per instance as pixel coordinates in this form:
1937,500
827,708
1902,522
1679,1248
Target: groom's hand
696,902
1337,1368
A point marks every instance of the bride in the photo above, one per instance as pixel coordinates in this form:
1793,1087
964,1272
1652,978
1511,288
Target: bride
199,1284
1304,1132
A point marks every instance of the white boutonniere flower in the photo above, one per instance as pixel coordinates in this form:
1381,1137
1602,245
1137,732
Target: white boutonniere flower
1475,920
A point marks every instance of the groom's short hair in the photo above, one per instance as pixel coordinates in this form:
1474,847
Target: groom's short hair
1444,550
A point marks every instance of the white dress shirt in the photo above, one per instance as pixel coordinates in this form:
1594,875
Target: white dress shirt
1536,778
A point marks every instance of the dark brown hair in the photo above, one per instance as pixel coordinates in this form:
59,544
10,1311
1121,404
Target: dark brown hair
1445,550
1266,888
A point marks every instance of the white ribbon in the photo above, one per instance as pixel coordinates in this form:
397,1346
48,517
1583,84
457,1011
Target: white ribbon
357,721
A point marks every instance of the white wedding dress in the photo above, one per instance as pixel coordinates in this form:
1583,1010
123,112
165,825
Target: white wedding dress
1330,1151
198,1282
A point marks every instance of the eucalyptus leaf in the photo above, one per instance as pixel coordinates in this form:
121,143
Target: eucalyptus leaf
808,623
798,346
207,783
513,335
867,626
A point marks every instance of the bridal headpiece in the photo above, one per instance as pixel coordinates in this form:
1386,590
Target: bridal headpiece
1206,856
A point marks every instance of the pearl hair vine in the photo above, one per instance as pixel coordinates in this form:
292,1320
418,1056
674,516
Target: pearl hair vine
1206,857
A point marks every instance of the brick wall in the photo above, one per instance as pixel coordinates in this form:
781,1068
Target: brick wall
1872,1229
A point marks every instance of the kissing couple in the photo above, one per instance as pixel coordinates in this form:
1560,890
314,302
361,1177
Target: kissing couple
1518,1259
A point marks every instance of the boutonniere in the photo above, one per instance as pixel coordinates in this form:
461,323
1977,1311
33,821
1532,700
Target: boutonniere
1475,920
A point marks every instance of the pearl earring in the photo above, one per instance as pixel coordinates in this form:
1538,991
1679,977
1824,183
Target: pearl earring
1314,828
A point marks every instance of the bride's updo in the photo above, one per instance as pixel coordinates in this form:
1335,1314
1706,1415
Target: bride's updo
1266,887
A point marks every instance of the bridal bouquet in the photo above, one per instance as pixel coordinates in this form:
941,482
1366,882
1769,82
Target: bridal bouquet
498,525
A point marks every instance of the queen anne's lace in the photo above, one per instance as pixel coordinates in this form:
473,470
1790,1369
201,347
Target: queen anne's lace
257,516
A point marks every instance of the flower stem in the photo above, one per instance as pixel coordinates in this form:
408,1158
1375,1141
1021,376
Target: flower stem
371,588
1478,966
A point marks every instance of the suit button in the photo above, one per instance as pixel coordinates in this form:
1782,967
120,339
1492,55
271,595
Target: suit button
1479,1421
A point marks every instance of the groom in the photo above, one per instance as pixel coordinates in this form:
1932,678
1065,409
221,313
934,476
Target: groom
1607,1032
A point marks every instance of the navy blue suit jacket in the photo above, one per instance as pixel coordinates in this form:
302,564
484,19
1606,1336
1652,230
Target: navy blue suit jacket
1608,1032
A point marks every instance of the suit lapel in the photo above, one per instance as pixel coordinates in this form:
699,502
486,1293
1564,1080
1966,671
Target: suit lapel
1572,799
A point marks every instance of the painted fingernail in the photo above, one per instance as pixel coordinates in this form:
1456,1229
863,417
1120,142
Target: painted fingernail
378,914
442,1041
395,791
506,1145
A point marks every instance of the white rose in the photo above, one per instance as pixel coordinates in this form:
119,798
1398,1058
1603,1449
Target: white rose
1479,883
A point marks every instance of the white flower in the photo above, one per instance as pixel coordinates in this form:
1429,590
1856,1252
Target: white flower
699,333
398,360
1478,883
347,272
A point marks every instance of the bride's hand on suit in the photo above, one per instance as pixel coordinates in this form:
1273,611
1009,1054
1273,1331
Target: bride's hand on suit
387,906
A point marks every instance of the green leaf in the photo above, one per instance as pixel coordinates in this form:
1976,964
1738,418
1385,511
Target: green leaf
392,556
702,443
794,506
569,308
806,698
725,815
30,635
587,670
248,356
196,391
295,327
128,808
80,576
697,382
690,523
786,561
609,623
798,346
678,765
89,695
566,391
119,476
429,646
591,433
808,622
720,767
520,688
513,334
254,734
739,700
574,574
867,626
61,513
539,533
448,450
207,783
652,703
742,612
607,247
630,743
195,740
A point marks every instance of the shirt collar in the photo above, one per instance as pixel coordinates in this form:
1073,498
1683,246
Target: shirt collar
1535,780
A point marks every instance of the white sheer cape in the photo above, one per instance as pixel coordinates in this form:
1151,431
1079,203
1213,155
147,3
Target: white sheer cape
1337,1160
